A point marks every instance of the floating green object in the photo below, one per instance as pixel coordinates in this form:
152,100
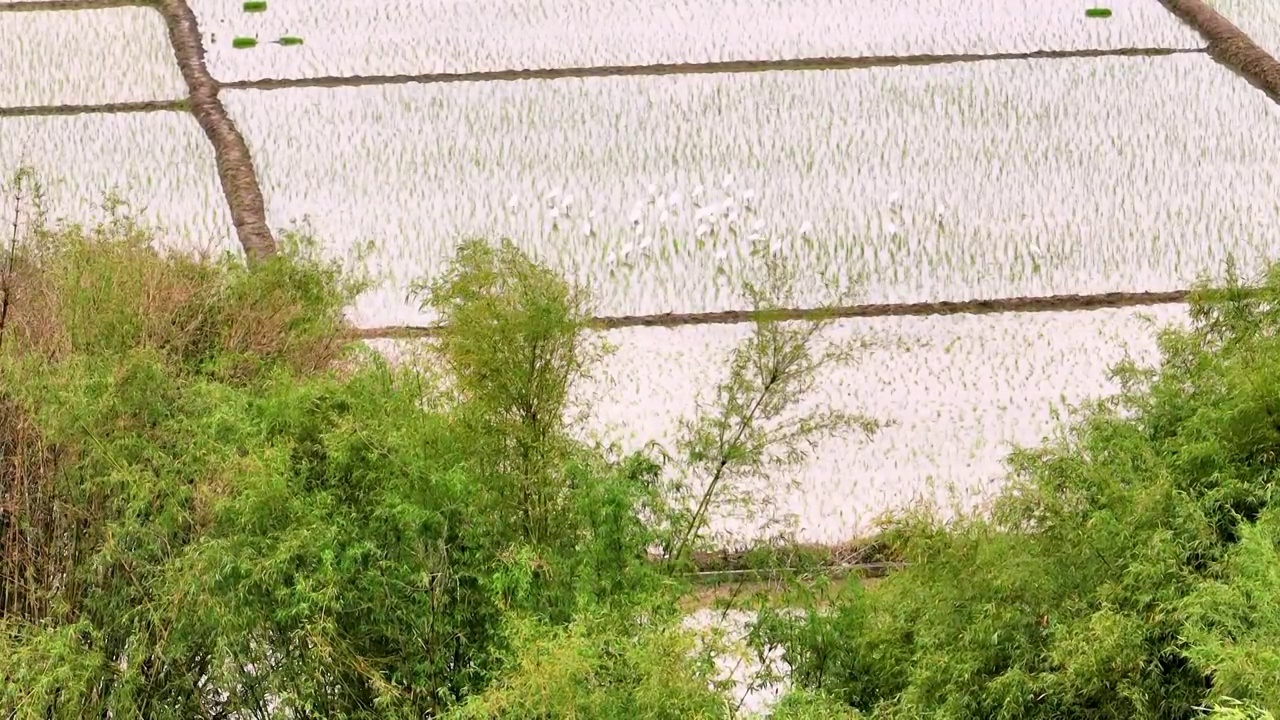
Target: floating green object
255,5
289,40
244,42
1098,12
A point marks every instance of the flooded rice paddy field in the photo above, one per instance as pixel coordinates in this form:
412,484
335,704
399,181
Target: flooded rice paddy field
86,57
974,180
382,38
159,162
926,183
957,394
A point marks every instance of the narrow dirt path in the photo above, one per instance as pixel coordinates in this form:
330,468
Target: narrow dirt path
144,106
70,5
1042,303
1230,45
235,166
724,67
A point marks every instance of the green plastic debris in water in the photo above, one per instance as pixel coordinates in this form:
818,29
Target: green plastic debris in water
244,42
1098,12
289,40
255,5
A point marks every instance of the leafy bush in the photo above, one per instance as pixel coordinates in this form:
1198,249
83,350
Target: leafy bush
598,667
810,705
1128,571
212,504
103,290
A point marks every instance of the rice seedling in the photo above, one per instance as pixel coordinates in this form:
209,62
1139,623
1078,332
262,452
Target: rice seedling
960,390
160,163
86,57
950,182
617,32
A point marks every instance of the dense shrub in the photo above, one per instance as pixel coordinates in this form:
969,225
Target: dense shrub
213,505
1129,571
600,667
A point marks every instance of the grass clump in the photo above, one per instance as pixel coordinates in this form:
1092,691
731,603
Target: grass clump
103,291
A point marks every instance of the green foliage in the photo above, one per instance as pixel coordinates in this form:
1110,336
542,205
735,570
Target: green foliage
602,669
752,431
1233,621
104,291
1129,570
512,344
213,505
810,705
222,508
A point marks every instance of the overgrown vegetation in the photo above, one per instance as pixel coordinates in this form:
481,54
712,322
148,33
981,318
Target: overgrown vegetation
214,505
1130,569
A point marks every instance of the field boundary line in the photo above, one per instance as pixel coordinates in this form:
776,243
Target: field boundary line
235,165
725,67
1229,45
71,5
1028,304
782,572
142,106
766,561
